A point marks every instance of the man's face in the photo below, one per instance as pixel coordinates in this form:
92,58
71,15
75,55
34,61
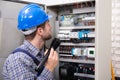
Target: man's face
47,31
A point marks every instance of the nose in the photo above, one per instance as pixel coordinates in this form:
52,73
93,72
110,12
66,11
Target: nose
49,25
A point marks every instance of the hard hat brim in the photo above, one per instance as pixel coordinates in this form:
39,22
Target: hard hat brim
50,16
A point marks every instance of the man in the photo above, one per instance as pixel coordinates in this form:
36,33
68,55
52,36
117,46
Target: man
34,23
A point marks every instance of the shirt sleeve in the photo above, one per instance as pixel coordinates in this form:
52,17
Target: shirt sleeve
46,75
18,69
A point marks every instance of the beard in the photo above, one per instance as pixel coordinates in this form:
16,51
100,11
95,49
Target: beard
47,37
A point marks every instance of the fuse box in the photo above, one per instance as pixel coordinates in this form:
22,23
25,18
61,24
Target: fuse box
77,34
70,48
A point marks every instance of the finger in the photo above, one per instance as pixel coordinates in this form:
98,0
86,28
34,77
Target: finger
56,55
45,52
51,52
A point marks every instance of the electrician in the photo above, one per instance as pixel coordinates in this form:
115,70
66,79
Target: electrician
22,62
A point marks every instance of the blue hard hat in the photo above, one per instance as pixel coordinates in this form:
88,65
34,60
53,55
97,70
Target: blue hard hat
31,16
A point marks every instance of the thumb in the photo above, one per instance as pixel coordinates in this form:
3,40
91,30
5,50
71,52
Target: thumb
45,52
51,52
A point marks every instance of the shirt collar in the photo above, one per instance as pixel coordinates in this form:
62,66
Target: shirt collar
32,49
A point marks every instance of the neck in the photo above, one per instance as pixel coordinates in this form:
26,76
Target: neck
38,43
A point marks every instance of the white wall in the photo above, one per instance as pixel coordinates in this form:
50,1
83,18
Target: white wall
10,37
36,1
116,36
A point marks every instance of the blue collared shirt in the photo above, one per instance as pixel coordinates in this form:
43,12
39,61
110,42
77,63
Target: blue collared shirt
20,66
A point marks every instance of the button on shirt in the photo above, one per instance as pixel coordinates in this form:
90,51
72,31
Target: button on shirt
20,66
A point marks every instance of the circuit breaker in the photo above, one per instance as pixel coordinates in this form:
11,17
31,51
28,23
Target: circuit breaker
77,35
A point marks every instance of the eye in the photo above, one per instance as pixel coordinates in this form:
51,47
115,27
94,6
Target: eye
48,24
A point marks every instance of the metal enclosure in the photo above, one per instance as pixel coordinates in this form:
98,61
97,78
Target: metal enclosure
102,37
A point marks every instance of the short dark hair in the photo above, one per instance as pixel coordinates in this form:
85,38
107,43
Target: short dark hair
32,35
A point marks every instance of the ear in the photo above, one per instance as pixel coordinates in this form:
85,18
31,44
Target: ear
40,31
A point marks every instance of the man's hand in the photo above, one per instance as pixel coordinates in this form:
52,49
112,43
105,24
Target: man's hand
52,60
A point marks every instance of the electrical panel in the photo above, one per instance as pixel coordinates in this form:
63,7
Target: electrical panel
76,51
77,34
